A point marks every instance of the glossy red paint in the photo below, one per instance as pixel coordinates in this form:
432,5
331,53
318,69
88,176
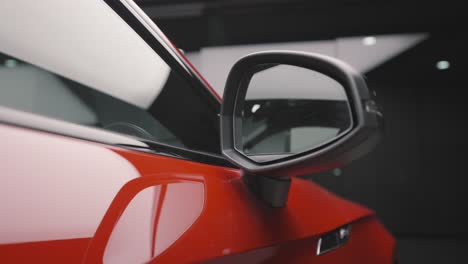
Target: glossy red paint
232,220
369,243
54,192
52,251
162,210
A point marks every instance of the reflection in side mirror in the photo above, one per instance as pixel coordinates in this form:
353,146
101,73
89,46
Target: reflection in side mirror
288,110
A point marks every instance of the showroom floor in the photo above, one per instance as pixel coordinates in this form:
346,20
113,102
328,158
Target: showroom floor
433,251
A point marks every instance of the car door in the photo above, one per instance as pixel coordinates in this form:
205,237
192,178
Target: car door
79,88
111,153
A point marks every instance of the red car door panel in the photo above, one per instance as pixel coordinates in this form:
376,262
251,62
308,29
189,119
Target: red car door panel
54,193
100,203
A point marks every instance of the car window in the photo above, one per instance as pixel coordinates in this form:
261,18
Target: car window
84,64
173,113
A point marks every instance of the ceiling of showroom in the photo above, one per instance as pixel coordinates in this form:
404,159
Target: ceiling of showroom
193,24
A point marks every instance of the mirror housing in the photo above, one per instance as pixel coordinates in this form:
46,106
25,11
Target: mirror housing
270,180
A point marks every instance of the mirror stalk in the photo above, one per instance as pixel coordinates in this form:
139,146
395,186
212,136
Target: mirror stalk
273,191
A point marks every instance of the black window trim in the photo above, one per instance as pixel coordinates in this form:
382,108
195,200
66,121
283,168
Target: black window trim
156,40
9,116
159,43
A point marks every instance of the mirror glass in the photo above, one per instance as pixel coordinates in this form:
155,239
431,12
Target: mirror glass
287,110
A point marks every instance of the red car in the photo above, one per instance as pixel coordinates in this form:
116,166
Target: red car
116,150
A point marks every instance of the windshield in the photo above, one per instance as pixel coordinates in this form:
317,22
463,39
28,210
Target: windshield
85,65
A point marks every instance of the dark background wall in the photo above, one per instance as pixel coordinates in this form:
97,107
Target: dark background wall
415,179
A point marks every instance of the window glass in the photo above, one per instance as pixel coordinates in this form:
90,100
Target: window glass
171,113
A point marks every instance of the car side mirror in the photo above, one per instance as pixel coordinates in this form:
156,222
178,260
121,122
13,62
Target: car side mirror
290,113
